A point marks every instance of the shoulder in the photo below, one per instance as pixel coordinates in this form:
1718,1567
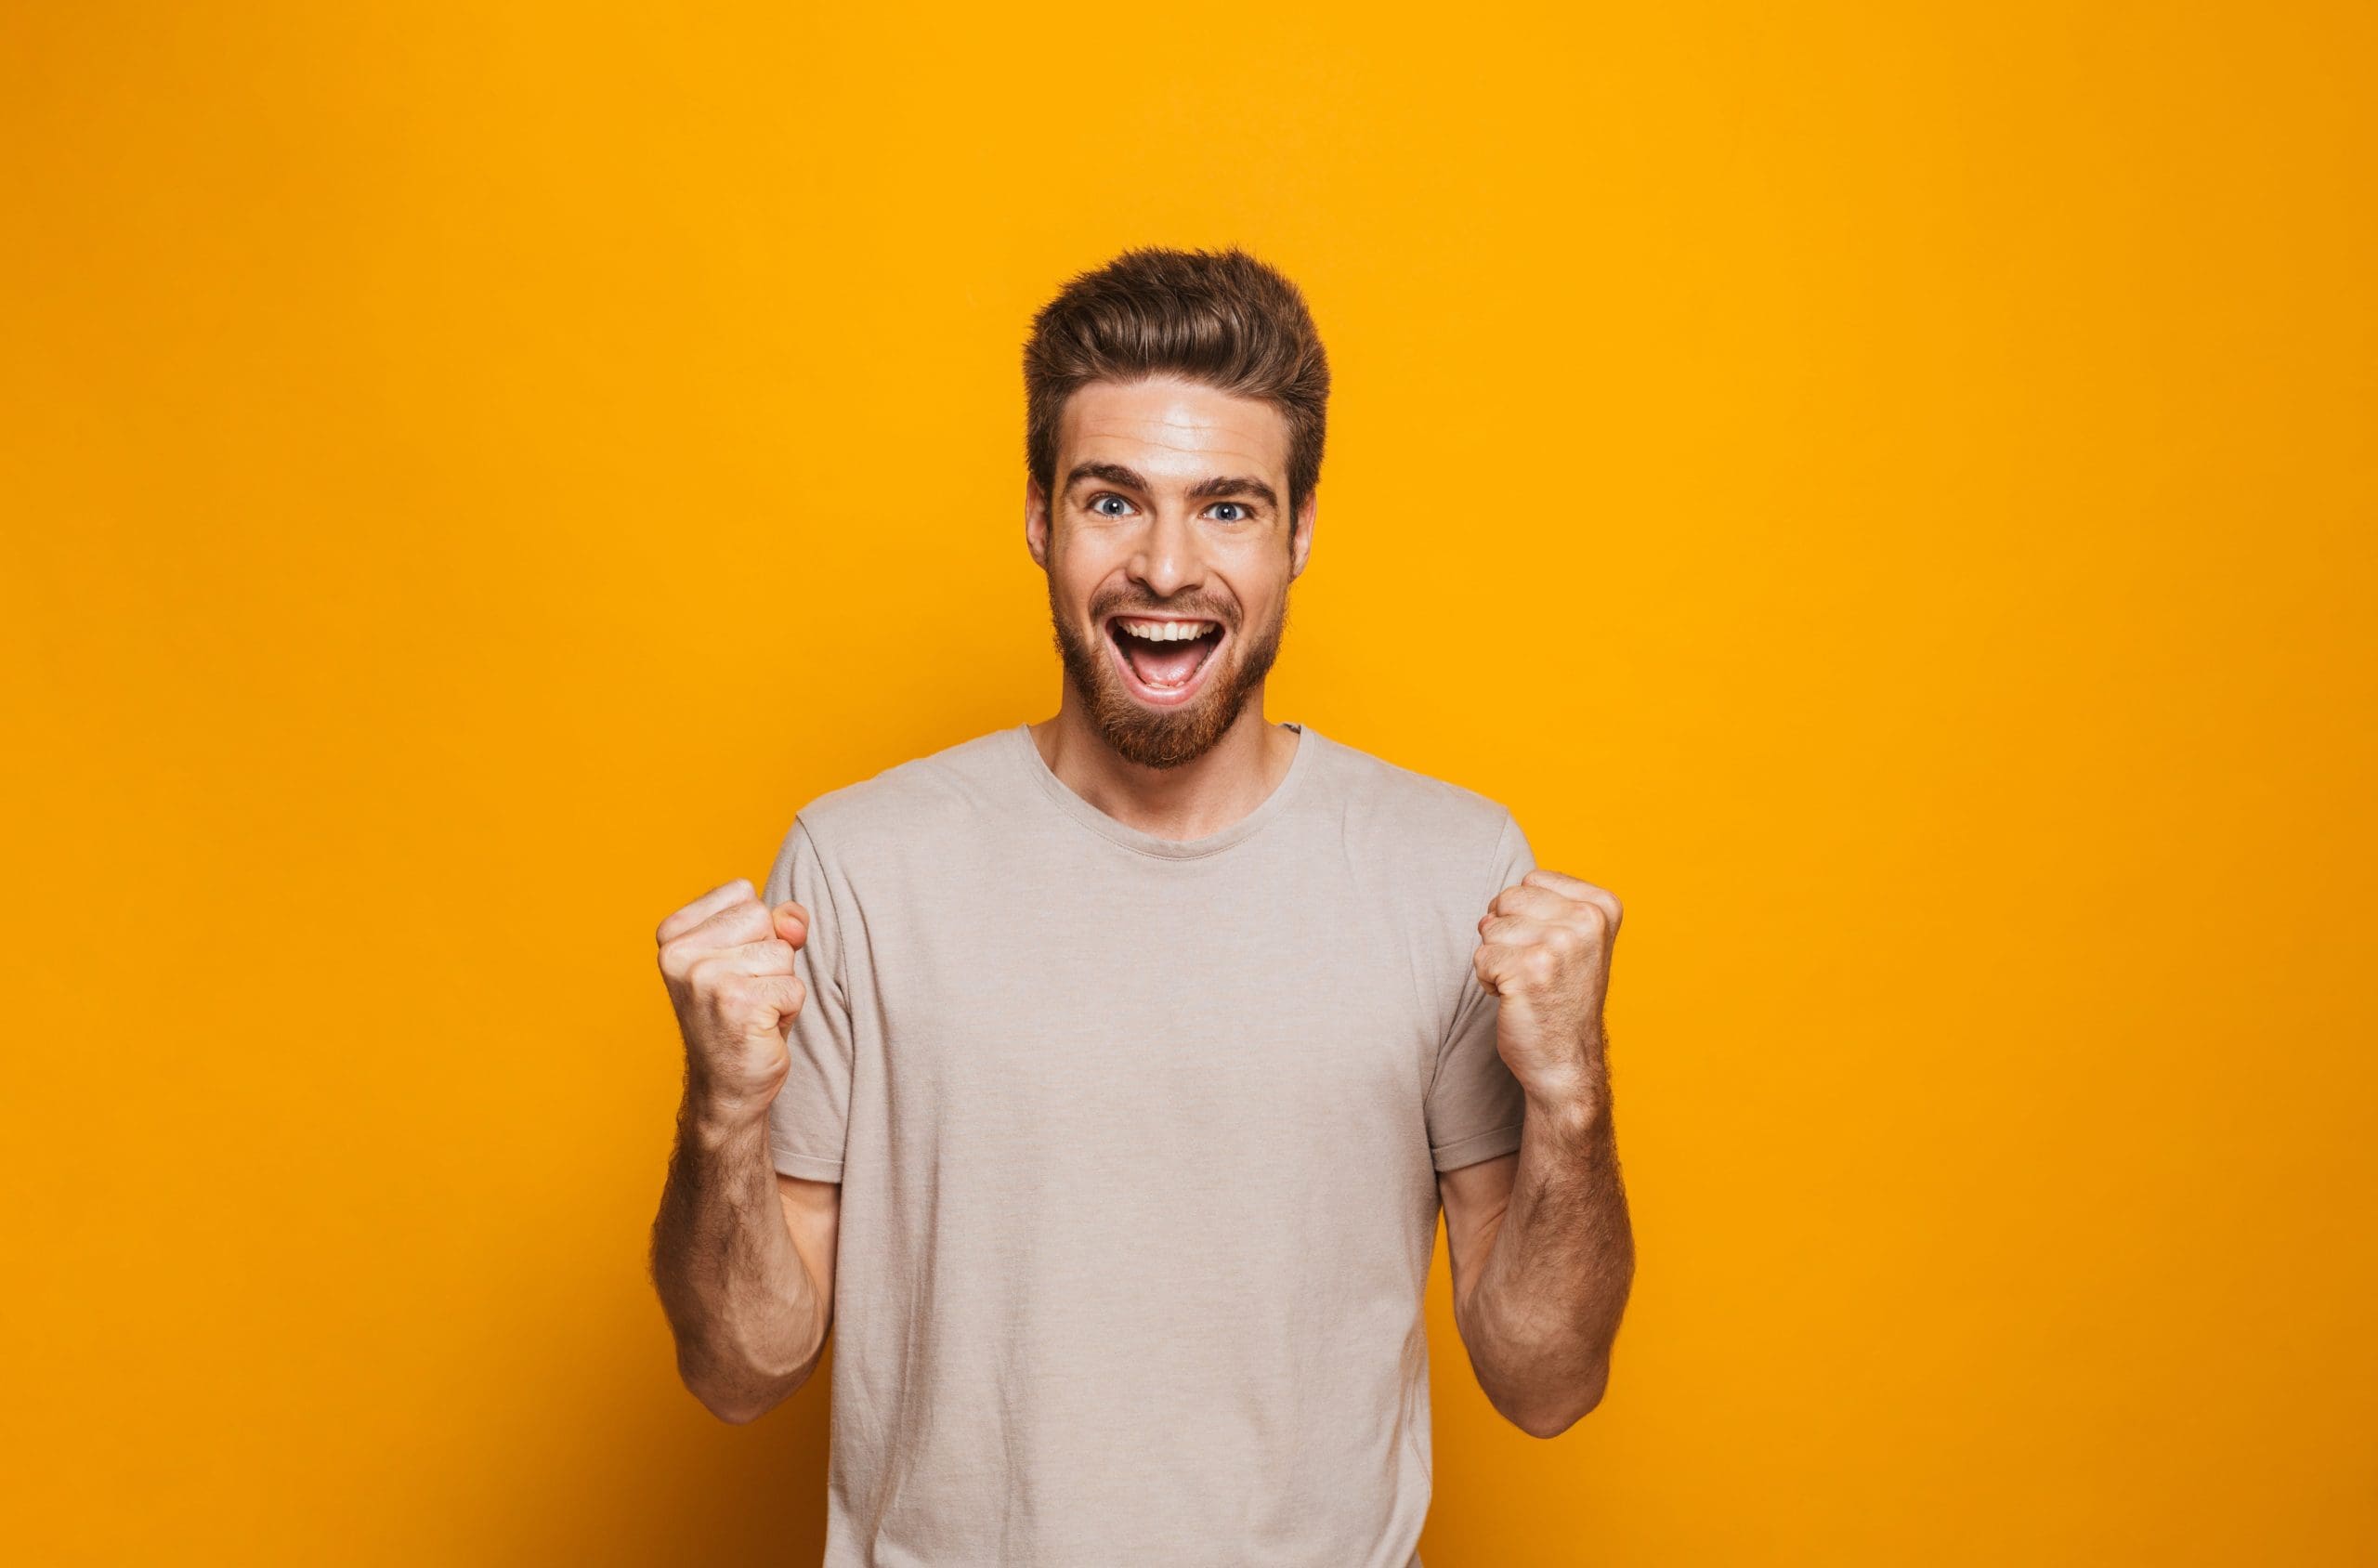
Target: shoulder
1404,814
910,803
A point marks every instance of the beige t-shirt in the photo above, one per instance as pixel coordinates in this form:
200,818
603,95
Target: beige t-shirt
1138,1141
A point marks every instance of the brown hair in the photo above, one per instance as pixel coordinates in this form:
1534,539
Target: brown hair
1220,318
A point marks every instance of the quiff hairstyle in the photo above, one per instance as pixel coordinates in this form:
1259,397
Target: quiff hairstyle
1220,318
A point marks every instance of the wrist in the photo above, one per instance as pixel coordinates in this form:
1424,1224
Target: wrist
1577,1108
715,1124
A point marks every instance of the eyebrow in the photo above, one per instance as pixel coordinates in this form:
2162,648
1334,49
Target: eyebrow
1232,484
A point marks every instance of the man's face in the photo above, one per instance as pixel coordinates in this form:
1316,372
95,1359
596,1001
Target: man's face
1167,519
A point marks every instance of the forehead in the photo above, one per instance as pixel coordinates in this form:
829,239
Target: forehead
1172,429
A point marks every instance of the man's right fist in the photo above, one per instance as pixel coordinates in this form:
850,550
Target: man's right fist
728,961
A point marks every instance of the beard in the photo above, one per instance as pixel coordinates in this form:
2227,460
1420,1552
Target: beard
1167,736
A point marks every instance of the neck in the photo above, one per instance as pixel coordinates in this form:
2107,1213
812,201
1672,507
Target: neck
1196,798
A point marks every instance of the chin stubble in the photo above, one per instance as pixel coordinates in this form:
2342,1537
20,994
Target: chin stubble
1154,739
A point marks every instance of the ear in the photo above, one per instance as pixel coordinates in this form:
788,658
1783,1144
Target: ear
1035,521
1300,540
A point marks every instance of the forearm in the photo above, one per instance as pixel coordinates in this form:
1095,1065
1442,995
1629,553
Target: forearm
744,1307
1542,1313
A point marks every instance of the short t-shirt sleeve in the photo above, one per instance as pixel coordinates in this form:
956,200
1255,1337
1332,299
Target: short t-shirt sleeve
1474,1104
810,1112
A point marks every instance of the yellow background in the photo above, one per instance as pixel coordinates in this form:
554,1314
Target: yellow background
1888,491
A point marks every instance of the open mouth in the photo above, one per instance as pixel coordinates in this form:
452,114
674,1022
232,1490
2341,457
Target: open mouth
1163,659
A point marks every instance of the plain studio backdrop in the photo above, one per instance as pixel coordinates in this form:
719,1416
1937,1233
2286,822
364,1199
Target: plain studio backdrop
1888,491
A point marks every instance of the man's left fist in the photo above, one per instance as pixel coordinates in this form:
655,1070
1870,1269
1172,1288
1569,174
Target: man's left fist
1544,949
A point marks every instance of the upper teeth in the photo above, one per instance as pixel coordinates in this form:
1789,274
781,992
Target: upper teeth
1167,631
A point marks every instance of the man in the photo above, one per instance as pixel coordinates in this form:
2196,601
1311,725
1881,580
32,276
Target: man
1097,1082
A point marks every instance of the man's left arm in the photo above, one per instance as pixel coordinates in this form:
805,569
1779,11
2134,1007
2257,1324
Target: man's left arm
1541,1250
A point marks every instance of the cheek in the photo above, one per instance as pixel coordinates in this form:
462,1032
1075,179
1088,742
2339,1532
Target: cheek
1079,575
1258,599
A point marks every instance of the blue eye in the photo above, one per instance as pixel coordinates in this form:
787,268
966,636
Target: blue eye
1098,501
1239,504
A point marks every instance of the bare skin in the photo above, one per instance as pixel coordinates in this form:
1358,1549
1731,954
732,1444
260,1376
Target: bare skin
1170,504
1541,1248
742,1255
1122,535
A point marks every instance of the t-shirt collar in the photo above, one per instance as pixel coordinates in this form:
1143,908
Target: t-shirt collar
1062,794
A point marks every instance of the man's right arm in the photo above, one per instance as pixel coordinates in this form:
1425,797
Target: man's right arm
742,1255
744,1259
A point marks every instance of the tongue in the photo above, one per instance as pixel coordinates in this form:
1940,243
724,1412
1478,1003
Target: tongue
1166,663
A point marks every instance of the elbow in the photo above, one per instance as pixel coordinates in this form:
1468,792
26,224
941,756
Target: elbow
1548,1424
1550,1419
732,1406
737,1407
735,1402
733,1415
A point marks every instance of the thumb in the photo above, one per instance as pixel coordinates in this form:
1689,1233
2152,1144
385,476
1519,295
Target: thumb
791,921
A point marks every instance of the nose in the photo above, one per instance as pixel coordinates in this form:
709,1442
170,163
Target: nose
1167,561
